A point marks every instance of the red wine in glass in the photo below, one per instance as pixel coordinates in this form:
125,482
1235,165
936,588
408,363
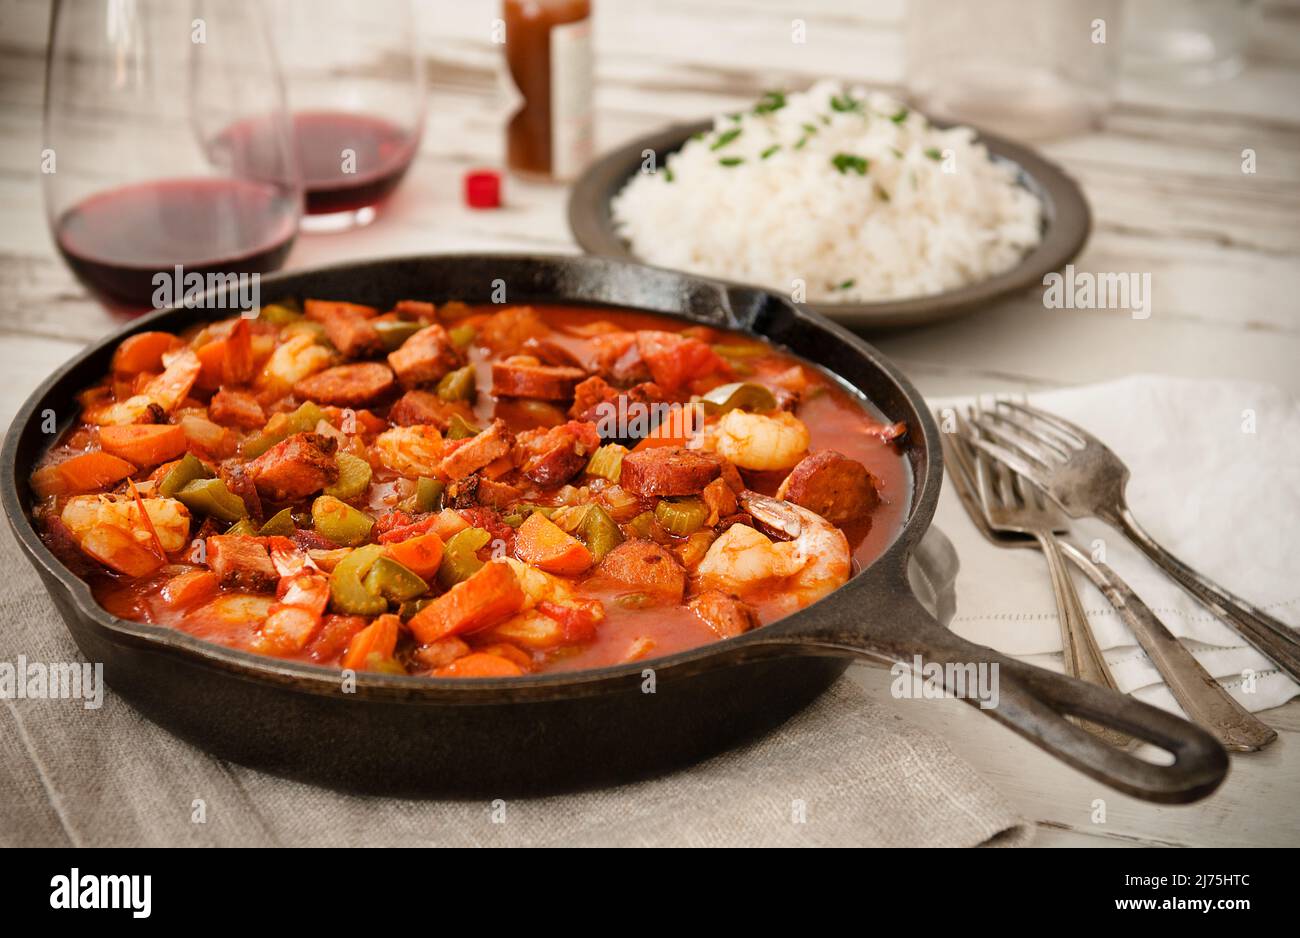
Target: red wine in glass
349,161
117,240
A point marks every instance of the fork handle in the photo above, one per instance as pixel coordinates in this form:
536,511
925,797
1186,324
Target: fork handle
1082,656
1197,692
1270,637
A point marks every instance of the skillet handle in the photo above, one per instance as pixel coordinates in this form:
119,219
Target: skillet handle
1034,702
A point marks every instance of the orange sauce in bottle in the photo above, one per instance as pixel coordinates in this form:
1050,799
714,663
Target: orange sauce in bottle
548,52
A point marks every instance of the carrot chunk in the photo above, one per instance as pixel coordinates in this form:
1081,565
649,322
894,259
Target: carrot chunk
378,638
144,444
84,473
542,543
421,554
143,352
190,588
487,597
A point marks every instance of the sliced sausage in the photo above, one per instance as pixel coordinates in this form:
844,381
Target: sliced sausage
645,567
347,385
242,563
832,485
668,470
476,452
425,357
726,615
426,408
719,499
554,456
296,468
526,377
347,326
232,408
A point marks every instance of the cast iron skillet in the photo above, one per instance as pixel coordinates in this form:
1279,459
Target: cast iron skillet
549,732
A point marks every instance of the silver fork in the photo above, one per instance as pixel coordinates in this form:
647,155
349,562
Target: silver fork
1200,695
1014,506
1084,477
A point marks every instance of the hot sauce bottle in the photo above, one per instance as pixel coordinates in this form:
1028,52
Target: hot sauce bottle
548,51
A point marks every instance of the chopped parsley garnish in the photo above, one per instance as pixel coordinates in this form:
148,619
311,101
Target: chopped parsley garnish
845,103
809,128
900,116
799,145
771,101
846,285
769,151
847,162
725,138
933,153
730,161
668,174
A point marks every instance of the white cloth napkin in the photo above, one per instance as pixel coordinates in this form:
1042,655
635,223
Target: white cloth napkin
1215,478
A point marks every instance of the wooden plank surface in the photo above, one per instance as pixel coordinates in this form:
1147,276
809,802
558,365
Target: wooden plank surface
1163,177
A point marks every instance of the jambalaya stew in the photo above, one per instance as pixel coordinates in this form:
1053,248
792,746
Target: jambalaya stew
465,491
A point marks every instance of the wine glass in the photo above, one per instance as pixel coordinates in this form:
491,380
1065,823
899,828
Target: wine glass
356,92
168,152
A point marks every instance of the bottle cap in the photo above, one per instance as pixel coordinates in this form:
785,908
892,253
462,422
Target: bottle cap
483,188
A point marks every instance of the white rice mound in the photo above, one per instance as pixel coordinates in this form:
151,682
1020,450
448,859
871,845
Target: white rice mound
931,212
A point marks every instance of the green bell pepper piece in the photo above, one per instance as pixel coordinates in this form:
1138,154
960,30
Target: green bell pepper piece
279,524
348,593
212,498
460,557
392,333
340,522
390,579
458,385
354,477
182,474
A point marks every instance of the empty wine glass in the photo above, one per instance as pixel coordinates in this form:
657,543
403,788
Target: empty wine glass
142,173
356,92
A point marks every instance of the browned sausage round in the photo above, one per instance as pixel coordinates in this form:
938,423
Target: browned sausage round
646,567
723,613
668,470
347,385
832,485
546,382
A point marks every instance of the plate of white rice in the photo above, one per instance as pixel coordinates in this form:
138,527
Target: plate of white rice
842,198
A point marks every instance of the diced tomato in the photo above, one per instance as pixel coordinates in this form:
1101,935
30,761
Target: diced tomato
675,361
577,621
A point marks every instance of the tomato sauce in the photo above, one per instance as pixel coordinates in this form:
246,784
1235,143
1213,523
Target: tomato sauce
634,627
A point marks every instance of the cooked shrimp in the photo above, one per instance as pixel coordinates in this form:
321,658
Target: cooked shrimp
166,390
181,370
815,562
410,451
759,441
170,519
296,358
134,409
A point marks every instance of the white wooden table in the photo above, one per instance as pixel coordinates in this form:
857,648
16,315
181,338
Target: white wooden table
1164,180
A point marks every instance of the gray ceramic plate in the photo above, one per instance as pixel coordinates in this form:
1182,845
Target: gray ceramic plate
1066,223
